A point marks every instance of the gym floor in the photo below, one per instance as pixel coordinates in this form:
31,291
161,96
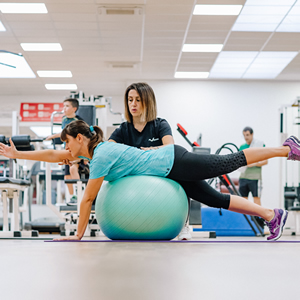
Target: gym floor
223,268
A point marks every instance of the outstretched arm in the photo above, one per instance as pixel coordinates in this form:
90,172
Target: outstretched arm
88,198
40,155
53,136
166,140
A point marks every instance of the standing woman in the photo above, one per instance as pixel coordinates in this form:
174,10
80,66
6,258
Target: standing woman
143,129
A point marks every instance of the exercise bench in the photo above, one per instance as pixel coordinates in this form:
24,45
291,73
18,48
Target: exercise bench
10,189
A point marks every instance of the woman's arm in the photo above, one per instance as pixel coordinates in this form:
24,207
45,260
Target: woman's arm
40,155
89,196
166,140
53,136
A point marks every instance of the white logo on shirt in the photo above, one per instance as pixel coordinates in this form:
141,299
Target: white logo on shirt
153,139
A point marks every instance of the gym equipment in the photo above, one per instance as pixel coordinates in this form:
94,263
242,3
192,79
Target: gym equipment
224,179
195,206
72,213
22,142
228,223
141,208
289,173
10,189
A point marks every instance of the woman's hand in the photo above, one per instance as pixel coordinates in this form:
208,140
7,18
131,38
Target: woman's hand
68,238
49,138
10,152
65,162
149,148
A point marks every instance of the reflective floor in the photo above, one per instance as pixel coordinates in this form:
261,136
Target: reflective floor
34,269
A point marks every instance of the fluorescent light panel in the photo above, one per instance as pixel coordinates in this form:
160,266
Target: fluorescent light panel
270,2
23,8
269,64
2,28
266,15
202,47
217,10
61,86
14,66
41,46
191,75
54,73
252,64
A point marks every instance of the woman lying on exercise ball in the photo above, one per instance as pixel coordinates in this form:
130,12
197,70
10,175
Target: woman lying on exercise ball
111,161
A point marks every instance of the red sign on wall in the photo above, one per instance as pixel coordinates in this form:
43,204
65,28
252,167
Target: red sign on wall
40,112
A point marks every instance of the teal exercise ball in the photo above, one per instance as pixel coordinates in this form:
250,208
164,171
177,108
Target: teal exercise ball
141,208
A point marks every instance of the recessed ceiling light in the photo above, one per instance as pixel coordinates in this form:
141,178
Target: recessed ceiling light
217,10
288,27
41,46
14,65
267,10
191,74
54,73
2,28
269,64
254,27
270,2
202,47
23,8
251,64
61,86
268,16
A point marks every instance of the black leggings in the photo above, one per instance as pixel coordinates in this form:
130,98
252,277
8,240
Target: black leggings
190,170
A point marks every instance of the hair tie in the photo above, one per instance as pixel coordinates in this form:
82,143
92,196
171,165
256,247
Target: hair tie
92,129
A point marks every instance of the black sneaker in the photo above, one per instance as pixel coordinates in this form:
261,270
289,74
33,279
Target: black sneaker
73,200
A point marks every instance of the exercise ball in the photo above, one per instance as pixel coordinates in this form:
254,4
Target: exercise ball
141,208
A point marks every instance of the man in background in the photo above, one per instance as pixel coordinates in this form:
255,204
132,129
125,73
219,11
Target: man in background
250,178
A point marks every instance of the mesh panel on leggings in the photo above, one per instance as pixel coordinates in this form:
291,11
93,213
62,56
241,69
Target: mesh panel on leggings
192,167
224,164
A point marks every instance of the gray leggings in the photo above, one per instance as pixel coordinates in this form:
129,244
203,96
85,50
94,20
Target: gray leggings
190,170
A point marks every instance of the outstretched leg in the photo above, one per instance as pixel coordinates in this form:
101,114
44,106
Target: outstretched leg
192,167
275,219
201,191
243,206
254,155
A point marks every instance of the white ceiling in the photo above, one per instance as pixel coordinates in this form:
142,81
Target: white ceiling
149,41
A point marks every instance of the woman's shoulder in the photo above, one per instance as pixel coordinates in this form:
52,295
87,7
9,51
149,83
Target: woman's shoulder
125,125
160,122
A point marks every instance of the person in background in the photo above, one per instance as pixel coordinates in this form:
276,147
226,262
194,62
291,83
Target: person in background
143,129
250,178
71,172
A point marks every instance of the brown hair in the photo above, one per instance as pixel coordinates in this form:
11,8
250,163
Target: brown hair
74,128
74,102
247,128
148,101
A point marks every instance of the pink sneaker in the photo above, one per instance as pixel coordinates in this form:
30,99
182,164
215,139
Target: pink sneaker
294,144
276,224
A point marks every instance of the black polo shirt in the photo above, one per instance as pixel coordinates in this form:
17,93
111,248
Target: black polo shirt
151,136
